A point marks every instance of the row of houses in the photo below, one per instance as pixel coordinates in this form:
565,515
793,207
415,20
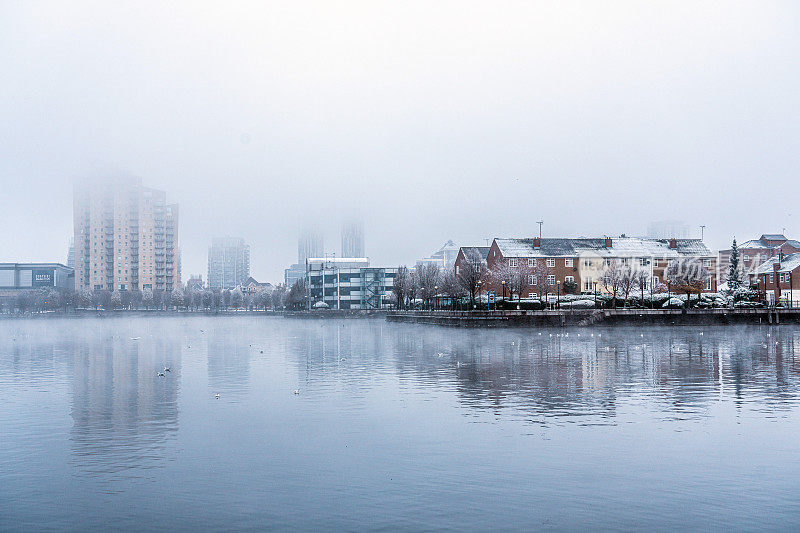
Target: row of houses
770,264
580,263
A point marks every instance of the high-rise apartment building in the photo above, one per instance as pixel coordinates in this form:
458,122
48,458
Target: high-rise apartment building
126,237
353,239
310,244
228,263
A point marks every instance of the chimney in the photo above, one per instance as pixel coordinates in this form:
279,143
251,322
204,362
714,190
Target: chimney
673,243
609,242
537,242
780,256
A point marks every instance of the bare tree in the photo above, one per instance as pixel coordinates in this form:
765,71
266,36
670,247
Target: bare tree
470,273
428,276
687,275
642,279
612,279
450,286
400,285
147,297
627,280
177,297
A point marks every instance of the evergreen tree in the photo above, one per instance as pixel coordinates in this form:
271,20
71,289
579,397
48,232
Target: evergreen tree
734,277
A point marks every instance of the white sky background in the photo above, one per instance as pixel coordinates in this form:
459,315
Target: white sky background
436,120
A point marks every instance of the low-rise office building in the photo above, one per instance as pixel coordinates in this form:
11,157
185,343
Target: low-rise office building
348,283
16,276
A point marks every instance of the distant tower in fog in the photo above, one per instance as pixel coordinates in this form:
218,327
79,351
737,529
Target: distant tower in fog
228,263
310,244
668,229
71,253
353,239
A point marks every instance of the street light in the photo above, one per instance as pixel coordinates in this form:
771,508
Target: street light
503,283
436,297
558,294
479,294
595,293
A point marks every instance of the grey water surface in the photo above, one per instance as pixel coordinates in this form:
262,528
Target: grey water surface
395,426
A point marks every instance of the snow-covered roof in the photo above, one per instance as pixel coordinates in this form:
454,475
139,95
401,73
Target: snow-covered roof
763,243
476,251
620,247
790,262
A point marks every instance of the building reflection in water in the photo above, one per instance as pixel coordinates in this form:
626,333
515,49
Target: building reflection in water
122,410
228,348
579,374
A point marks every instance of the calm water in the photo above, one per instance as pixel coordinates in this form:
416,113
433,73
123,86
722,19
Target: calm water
395,427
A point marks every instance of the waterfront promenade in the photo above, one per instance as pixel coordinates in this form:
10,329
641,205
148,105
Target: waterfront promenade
589,317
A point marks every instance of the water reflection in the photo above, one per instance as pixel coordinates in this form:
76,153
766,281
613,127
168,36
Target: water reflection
122,409
556,375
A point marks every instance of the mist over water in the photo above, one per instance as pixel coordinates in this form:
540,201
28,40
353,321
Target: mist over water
395,426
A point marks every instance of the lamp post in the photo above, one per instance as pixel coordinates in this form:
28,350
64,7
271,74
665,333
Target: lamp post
595,293
436,297
503,283
558,294
479,292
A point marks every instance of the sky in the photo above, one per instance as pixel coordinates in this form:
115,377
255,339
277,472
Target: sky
429,120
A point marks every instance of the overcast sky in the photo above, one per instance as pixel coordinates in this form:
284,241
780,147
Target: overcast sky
436,120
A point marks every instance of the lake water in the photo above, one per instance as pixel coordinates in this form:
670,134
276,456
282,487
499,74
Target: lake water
396,426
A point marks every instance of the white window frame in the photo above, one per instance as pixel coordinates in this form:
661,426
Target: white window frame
551,262
551,280
513,262
531,262
531,279
568,262
569,278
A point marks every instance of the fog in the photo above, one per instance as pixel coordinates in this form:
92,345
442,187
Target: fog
431,120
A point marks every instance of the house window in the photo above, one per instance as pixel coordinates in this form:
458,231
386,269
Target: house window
458,270
708,284
513,262
707,263
746,257
551,263
551,280
531,295
656,282
587,284
570,279
531,279
771,278
607,262
531,262
587,263
643,261
568,262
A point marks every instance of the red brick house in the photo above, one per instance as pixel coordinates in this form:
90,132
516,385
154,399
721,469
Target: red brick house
552,262
753,253
779,278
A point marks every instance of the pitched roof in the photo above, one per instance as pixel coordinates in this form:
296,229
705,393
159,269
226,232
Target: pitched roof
790,262
481,251
761,242
620,247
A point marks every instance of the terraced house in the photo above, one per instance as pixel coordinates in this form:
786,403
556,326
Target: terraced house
755,252
554,262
